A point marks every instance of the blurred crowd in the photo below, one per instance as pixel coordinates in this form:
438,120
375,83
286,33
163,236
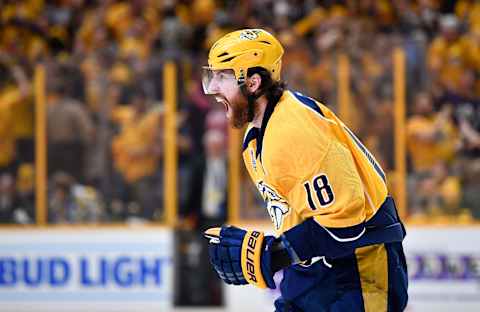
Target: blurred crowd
104,65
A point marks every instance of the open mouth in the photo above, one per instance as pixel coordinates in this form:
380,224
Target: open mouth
224,101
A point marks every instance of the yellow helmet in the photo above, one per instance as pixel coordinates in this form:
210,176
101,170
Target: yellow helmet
244,49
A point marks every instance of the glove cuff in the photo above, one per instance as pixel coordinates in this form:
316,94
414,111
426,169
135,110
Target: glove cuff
252,246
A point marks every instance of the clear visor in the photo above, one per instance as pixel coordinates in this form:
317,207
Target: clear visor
213,80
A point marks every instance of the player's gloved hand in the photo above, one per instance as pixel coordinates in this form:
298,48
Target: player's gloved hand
241,257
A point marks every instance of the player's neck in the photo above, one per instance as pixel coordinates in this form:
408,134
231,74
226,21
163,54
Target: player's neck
261,104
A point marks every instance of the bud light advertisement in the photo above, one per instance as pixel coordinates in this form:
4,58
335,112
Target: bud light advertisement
57,269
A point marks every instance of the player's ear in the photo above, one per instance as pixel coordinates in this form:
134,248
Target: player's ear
254,82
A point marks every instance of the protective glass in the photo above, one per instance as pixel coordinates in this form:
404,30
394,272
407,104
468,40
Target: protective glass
212,80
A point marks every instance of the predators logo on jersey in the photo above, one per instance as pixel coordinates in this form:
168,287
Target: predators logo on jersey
277,206
306,163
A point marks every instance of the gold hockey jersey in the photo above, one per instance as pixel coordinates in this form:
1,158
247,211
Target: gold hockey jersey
306,163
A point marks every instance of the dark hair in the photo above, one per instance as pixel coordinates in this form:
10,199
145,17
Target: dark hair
273,90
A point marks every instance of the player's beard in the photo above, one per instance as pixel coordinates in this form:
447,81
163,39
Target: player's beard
239,107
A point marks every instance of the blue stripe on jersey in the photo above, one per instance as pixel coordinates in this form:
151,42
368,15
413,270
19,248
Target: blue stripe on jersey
308,102
266,117
251,135
369,156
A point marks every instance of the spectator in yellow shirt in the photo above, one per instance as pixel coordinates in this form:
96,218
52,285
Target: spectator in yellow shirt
448,53
21,99
7,131
430,135
437,195
137,151
7,139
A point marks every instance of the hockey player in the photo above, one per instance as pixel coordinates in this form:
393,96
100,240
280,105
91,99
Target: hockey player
338,235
